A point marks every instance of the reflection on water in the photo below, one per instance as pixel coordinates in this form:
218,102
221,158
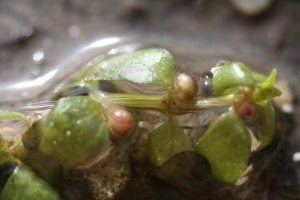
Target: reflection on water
39,86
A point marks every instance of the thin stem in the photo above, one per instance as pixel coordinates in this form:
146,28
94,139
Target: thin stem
206,102
135,100
161,102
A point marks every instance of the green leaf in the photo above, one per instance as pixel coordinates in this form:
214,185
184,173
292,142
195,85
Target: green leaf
259,78
166,141
226,146
74,125
266,90
269,125
154,66
230,75
24,184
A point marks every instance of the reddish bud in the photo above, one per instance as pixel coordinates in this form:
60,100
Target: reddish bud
120,122
246,110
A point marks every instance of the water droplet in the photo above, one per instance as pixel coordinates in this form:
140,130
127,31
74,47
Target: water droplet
74,31
35,71
54,142
25,94
79,121
68,133
51,124
39,56
27,31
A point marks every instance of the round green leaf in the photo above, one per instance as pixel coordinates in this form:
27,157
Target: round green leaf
74,131
226,146
24,184
230,75
269,125
154,66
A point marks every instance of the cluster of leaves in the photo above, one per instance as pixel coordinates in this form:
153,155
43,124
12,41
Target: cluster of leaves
84,124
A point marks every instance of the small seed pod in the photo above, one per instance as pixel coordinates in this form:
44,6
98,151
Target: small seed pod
120,122
185,87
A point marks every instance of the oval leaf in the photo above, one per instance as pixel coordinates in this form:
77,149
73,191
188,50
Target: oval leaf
154,66
24,184
230,75
269,125
226,146
75,124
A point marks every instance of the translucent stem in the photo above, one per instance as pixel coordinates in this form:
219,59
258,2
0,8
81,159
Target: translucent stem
161,102
136,101
201,103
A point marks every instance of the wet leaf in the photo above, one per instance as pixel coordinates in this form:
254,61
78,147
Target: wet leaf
166,141
24,184
153,66
269,125
226,146
230,75
75,124
266,90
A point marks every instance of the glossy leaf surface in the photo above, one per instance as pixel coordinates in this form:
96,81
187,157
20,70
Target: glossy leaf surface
24,184
75,126
166,141
154,66
231,74
269,127
265,90
226,146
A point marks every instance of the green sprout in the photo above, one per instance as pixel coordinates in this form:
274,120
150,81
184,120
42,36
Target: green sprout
87,124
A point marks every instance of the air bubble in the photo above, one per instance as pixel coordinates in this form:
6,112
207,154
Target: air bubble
25,94
39,56
68,133
74,31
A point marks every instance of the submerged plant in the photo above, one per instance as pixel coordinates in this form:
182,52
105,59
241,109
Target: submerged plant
86,125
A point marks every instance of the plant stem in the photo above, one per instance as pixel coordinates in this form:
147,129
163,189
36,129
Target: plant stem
137,101
161,102
205,103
